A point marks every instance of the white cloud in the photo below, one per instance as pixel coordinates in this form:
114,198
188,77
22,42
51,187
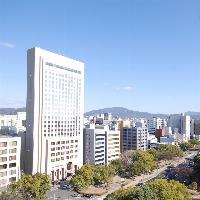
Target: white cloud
125,88
7,45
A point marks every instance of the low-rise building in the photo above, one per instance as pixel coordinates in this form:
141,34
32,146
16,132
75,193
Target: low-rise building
13,124
159,133
10,148
170,139
152,141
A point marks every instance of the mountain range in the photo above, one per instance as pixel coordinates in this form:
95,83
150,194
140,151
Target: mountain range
11,111
121,112
125,113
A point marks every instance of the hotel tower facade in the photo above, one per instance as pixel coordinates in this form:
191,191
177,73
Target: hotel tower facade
55,103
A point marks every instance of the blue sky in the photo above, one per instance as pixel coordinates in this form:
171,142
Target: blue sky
140,54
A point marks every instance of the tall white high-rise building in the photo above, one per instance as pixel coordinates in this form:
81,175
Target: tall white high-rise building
55,100
185,127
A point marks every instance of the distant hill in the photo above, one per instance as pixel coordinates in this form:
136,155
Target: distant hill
194,115
125,113
11,111
121,112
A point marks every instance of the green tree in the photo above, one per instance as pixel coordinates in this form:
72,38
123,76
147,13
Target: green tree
194,143
87,172
31,187
79,182
121,194
136,162
185,146
117,165
90,175
168,151
197,162
154,152
126,158
143,193
165,190
156,190
143,162
84,177
103,174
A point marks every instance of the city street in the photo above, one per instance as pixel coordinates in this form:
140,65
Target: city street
164,170
158,173
59,194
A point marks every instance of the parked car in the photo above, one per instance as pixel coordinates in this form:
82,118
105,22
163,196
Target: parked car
170,177
98,186
63,187
66,186
184,181
191,164
76,195
140,184
88,195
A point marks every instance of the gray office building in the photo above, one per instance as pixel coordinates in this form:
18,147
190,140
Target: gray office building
135,138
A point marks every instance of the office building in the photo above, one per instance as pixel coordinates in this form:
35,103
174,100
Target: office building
167,130
101,144
55,99
160,133
174,121
9,160
112,144
197,129
135,138
94,145
192,134
185,127
156,123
